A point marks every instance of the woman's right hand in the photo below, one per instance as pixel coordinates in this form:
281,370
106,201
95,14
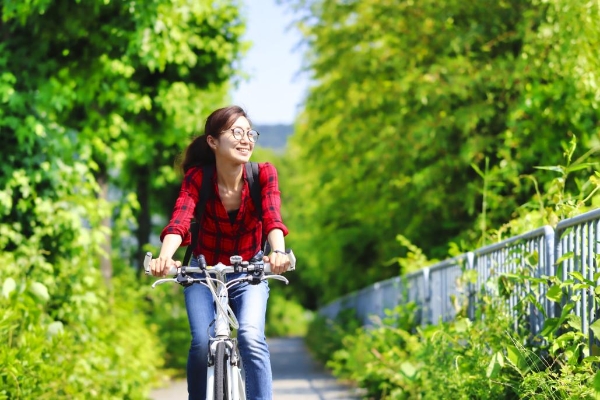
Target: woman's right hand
160,266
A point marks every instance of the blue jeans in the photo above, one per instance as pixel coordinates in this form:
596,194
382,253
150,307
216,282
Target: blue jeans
249,303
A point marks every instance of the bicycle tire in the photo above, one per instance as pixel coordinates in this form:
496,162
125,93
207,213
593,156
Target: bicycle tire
221,388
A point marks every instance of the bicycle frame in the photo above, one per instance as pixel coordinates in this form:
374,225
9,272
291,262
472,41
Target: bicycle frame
234,374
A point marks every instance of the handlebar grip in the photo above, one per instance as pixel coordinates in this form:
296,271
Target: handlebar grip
292,257
292,266
147,260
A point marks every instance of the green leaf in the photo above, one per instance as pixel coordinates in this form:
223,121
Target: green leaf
595,328
516,358
580,286
462,325
556,168
550,326
8,286
574,322
578,275
565,339
597,382
40,291
533,258
478,170
408,369
55,328
494,366
578,167
555,293
566,256
566,310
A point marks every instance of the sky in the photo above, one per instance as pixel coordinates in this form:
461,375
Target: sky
275,86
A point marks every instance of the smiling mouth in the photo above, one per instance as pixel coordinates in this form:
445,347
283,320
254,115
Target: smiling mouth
244,150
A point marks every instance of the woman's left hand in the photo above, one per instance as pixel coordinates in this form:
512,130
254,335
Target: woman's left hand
280,262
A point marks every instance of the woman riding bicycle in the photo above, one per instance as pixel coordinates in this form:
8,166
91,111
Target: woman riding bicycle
230,226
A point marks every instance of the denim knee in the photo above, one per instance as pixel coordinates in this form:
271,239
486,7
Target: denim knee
252,340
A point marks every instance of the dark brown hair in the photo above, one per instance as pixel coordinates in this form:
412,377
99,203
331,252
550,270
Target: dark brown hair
198,152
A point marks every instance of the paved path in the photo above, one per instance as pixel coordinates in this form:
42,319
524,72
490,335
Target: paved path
296,376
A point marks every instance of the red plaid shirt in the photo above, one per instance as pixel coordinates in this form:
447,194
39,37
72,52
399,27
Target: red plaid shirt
219,238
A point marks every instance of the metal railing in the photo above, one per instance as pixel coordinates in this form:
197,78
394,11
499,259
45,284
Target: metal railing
572,249
529,254
577,248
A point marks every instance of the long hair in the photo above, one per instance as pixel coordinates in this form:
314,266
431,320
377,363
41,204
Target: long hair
198,153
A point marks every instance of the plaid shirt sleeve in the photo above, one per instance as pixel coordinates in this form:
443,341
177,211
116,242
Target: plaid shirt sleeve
183,212
271,199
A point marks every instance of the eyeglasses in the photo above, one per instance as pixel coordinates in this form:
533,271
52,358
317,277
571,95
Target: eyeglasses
238,134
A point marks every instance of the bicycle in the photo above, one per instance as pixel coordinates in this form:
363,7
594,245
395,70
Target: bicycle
225,375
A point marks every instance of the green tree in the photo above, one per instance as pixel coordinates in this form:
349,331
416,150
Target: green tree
130,82
409,101
96,98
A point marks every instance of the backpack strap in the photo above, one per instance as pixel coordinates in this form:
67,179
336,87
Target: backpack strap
252,175
205,190
252,172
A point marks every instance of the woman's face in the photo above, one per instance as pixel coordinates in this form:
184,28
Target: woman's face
233,144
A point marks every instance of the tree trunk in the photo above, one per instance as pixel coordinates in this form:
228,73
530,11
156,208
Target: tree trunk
106,267
143,219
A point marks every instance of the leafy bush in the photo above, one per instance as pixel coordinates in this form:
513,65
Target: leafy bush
455,361
325,336
559,364
484,359
167,316
93,343
378,357
285,317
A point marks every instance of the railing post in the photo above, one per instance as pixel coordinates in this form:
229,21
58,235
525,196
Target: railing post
426,298
549,249
471,291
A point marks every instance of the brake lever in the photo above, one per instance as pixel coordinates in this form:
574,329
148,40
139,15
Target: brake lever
161,281
278,277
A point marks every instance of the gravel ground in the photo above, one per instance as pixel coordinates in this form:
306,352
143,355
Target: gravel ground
296,376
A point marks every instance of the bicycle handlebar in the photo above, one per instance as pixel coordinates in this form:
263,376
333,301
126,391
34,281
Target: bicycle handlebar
256,270
239,266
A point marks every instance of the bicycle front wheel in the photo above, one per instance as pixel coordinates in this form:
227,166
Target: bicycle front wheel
221,387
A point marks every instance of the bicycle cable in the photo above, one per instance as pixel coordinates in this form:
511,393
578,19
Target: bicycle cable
231,318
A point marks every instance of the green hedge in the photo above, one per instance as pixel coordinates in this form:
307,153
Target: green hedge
75,339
